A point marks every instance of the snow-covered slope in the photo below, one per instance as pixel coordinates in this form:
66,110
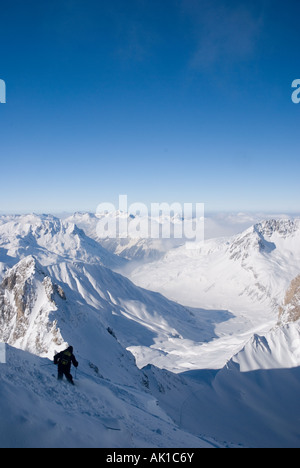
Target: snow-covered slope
37,411
254,399
236,406
277,349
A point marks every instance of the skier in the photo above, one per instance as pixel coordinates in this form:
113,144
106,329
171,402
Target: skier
64,361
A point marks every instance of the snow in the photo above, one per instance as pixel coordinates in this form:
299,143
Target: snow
37,411
245,276
254,399
277,349
189,354
51,239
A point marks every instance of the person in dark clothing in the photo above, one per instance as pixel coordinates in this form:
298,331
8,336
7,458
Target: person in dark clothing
64,360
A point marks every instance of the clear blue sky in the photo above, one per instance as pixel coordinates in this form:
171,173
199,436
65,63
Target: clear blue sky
173,100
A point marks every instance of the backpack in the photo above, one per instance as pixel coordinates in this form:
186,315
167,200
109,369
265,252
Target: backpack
65,358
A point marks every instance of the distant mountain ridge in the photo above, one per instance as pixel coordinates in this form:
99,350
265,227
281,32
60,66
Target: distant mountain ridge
51,239
256,265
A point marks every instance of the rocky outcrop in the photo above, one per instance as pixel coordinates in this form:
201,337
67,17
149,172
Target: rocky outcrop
290,310
27,298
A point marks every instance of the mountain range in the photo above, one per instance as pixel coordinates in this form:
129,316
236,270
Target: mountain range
160,338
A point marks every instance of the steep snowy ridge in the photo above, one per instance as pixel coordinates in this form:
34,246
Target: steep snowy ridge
278,349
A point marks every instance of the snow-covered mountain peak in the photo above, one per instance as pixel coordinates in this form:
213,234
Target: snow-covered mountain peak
20,276
282,227
20,272
250,243
263,237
